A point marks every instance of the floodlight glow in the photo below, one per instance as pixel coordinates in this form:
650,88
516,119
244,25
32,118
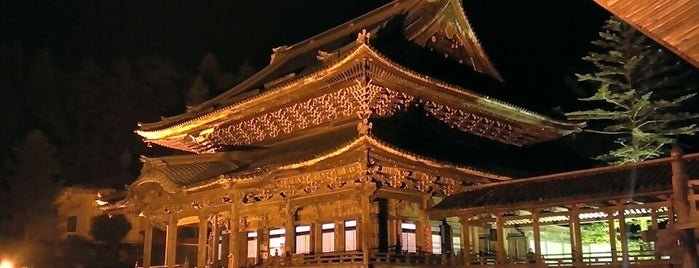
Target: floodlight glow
6,264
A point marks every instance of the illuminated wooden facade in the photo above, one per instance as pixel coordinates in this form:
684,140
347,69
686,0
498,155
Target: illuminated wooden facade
295,166
671,23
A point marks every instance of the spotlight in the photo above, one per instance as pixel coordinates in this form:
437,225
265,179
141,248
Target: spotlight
226,199
196,205
167,211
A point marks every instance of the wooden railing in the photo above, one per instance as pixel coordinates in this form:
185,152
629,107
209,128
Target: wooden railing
424,259
313,259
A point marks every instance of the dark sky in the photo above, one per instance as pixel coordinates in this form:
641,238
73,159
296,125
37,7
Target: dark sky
515,33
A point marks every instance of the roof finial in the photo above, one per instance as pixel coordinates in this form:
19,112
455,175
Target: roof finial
363,37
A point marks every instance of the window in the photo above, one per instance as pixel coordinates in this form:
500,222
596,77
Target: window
456,240
350,235
408,239
303,239
252,245
328,230
436,240
276,242
72,224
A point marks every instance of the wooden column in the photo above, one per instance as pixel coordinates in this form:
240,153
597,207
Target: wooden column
575,234
671,219
262,235
680,201
201,241
536,230
424,232
500,243
171,242
612,236
224,255
147,244
622,234
215,234
465,239
365,226
475,239
317,237
339,236
393,224
234,256
289,242
680,184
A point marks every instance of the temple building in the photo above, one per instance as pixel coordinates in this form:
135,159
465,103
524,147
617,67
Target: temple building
337,152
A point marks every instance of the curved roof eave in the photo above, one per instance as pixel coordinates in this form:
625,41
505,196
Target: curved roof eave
373,142
495,106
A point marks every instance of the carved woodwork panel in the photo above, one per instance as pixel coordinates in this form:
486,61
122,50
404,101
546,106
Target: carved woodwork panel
395,177
318,182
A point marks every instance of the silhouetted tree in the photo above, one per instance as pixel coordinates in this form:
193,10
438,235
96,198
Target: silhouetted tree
110,229
26,207
206,81
641,90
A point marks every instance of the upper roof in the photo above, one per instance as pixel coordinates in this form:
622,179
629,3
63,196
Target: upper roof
324,62
652,177
672,23
358,76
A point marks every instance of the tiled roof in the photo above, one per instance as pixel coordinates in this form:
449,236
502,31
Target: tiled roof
672,23
653,176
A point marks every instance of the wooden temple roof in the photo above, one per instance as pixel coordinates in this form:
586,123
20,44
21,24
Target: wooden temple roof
672,23
308,73
648,178
202,171
362,77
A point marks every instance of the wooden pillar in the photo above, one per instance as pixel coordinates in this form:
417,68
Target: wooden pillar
201,241
224,255
339,236
234,255
215,234
393,224
147,244
654,219
171,242
262,252
680,186
500,243
475,237
424,232
536,230
671,219
623,235
317,237
612,236
365,226
680,201
465,239
289,242
575,234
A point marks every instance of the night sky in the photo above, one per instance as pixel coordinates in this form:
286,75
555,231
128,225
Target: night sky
545,36
535,44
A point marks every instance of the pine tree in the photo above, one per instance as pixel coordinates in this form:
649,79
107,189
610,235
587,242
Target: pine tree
642,94
27,209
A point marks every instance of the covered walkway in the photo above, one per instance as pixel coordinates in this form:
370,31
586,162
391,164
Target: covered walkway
570,219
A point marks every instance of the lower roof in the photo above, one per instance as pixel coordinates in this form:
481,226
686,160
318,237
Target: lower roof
614,182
